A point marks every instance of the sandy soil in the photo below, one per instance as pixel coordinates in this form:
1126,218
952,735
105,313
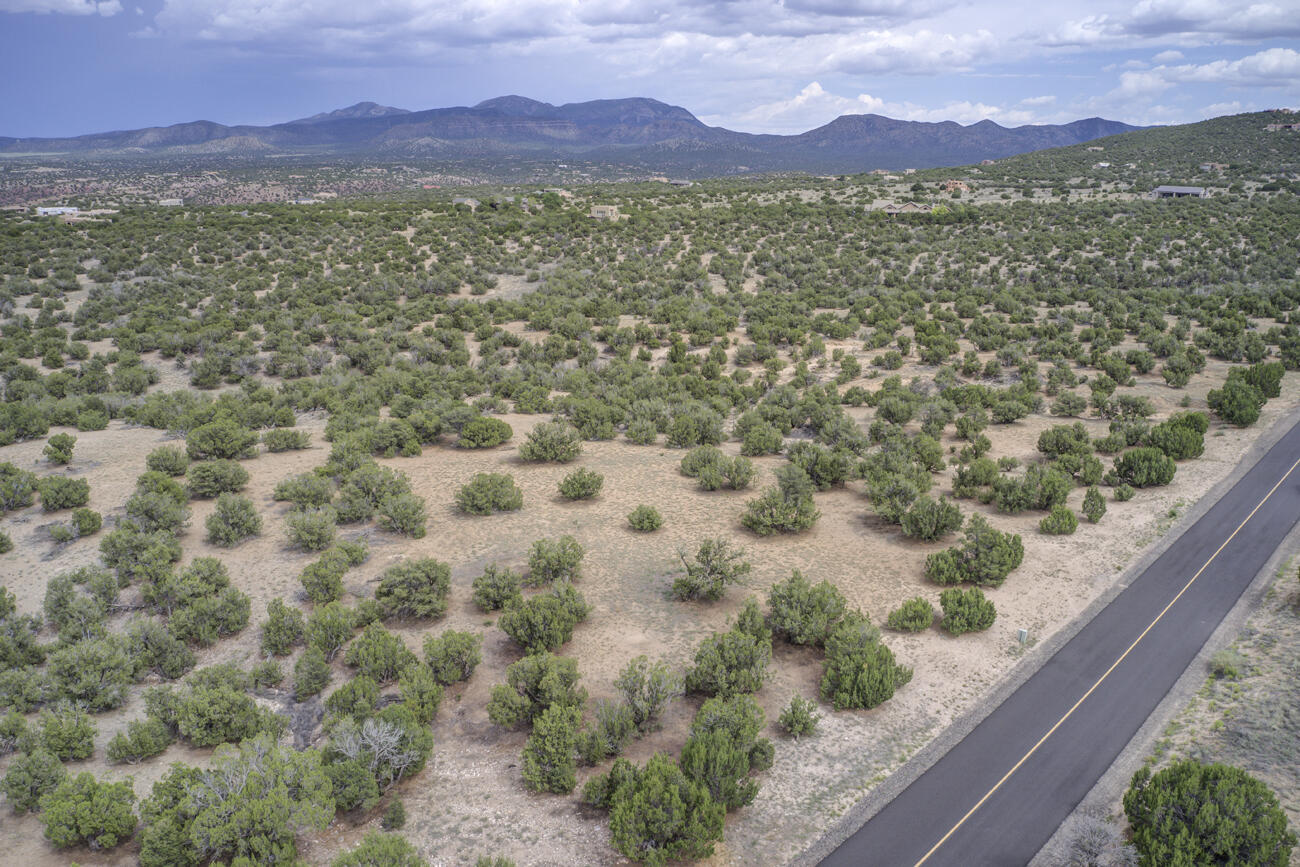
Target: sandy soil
470,800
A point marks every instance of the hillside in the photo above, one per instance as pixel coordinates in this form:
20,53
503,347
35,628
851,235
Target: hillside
637,131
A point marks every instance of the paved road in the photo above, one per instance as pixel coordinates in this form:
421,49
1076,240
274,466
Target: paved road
936,820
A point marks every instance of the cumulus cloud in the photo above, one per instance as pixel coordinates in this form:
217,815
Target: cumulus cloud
1194,21
1167,56
63,7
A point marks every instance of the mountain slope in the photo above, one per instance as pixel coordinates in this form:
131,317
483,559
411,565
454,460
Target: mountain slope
636,131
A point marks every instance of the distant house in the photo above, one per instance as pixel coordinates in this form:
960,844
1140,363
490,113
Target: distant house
170,203
56,211
1101,165
304,201
955,185
465,200
906,208
988,162
880,171
1172,192
1275,127
604,212
1213,167
1096,148
909,171
676,183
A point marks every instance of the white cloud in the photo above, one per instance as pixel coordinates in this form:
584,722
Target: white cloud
1167,56
1047,99
63,7
1219,109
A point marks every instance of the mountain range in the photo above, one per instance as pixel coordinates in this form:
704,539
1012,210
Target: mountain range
635,132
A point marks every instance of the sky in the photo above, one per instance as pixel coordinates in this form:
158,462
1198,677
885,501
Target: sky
72,67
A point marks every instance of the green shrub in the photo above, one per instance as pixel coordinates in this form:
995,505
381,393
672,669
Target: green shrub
311,529
378,654
647,689
551,560
645,519
914,615
234,520
220,439
170,460
1238,403
799,718
207,479
453,656
551,441
717,563
311,674
86,522
394,818
266,673
17,488
330,627
29,777
283,628
931,520
490,492
1094,505
986,556
730,663
68,732
581,484
966,610
143,739
545,622
61,492
1145,467
1124,493
59,448
84,810
405,514
533,684
286,439
416,589
6,543
549,763
802,612
860,672
307,491
496,588
1194,813
484,433
691,820
381,850
1061,521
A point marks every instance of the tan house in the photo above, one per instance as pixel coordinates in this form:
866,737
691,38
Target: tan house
604,212
954,185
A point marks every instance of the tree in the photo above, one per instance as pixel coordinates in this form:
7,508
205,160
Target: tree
717,563
1194,813
234,520
61,492
311,529
786,508
68,732
84,810
648,688
1061,521
548,761
860,672
403,513
381,850
283,628
1094,505
1238,403
210,478
220,439
311,674
417,589
966,611
170,460
804,613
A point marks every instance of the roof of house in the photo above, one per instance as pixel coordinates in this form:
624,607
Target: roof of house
1167,188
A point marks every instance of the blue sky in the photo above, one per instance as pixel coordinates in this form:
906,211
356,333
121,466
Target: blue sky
80,66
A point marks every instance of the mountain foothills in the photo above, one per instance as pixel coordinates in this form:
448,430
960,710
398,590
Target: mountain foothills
626,130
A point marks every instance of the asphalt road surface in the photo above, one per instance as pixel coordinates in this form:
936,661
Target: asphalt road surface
999,795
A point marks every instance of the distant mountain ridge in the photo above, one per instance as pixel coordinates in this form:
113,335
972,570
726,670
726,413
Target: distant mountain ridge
636,131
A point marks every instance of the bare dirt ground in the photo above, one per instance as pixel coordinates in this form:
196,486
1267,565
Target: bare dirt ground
470,800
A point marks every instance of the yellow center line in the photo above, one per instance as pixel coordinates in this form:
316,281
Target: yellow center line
1107,673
